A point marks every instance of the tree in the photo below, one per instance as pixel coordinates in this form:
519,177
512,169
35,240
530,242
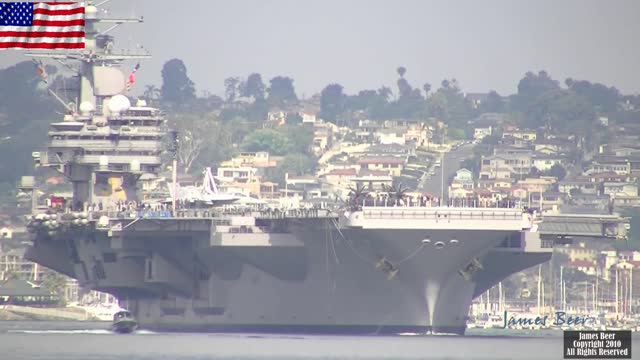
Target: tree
410,103
294,118
401,71
557,171
55,283
231,88
493,103
532,87
534,173
197,133
254,87
426,87
177,88
357,195
269,140
456,134
575,192
404,88
293,164
598,95
26,110
300,137
331,102
437,105
397,193
151,93
385,92
281,91
569,82
257,112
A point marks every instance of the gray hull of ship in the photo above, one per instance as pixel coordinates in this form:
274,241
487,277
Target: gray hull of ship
329,282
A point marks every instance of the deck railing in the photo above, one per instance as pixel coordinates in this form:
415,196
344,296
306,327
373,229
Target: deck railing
441,213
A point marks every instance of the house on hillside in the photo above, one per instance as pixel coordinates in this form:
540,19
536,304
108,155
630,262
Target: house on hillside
393,165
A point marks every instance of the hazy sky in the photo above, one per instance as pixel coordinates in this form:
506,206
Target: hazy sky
359,43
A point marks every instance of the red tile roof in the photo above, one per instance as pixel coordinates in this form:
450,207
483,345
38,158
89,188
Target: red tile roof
381,160
342,172
582,263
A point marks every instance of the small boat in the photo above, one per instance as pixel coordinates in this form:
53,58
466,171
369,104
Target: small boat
123,322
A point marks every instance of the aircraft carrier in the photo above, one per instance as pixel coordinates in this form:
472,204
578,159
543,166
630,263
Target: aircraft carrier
364,269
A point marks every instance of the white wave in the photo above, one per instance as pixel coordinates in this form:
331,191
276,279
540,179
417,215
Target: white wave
96,331
87,331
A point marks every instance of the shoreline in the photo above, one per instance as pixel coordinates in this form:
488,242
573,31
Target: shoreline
26,313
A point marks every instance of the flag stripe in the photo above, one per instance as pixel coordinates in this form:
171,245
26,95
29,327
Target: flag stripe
58,6
50,40
41,45
58,23
56,2
41,28
52,25
58,17
58,12
52,34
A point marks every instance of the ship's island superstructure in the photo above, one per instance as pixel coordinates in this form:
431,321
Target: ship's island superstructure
369,268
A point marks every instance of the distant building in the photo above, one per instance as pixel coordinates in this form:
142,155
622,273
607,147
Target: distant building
259,159
545,162
526,135
464,178
480,133
340,177
277,117
391,164
237,174
6,233
22,292
506,164
391,136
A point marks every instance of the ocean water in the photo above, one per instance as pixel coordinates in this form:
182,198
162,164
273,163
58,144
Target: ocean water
91,341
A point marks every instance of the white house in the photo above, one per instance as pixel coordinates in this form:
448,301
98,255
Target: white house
480,133
6,233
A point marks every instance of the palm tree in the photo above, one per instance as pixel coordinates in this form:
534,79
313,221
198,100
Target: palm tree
356,196
397,193
151,93
427,88
401,71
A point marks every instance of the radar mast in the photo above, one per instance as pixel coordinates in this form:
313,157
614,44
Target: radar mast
98,53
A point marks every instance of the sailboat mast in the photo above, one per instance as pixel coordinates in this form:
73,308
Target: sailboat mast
539,287
617,294
630,290
500,297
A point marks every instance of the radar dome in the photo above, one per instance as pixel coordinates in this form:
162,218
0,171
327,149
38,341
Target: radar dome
90,12
118,104
86,107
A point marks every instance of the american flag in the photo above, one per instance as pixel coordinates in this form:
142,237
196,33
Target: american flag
42,25
131,79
